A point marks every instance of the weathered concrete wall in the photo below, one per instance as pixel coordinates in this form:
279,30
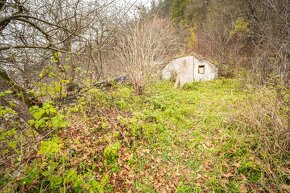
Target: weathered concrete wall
170,69
210,71
173,68
184,73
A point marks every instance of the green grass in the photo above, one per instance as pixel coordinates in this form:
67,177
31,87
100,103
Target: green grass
190,124
167,140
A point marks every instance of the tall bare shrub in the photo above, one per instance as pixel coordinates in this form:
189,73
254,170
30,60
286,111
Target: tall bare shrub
142,46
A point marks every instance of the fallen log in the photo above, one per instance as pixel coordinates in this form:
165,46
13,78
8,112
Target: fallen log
75,90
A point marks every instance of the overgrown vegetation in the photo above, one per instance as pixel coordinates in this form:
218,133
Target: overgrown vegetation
189,140
66,126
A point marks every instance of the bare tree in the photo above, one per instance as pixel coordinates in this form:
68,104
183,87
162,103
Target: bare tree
141,46
33,31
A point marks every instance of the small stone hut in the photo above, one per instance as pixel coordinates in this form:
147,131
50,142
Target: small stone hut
189,69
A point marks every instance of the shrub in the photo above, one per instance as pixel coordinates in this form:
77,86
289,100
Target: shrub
262,118
47,117
141,47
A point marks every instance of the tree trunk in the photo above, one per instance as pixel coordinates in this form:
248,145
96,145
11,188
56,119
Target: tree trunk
7,83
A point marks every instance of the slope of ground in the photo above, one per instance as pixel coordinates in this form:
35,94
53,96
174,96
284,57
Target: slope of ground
191,146
168,140
195,151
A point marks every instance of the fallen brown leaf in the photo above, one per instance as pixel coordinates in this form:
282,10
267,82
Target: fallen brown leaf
244,178
229,173
237,164
286,170
285,187
243,188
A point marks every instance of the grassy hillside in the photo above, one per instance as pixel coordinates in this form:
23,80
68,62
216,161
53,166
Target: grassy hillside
206,137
